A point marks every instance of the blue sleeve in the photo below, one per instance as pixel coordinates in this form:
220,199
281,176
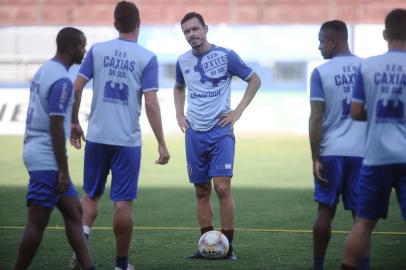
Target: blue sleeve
59,96
149,79
179,76
237,67
316,86
358,93
86,69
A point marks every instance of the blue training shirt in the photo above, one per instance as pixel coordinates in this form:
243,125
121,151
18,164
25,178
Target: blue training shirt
332,83
50,94
208,80
121,71
381,86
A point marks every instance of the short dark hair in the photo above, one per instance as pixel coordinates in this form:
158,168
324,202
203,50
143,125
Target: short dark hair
68,37
126,17
395,24
338,27
191,15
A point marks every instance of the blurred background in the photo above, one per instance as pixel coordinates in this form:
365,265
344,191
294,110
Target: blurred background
277,38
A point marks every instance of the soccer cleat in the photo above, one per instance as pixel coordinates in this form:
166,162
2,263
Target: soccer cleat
195,255
129,267
74,263
231,254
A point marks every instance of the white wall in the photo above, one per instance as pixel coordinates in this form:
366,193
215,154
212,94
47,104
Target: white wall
268,113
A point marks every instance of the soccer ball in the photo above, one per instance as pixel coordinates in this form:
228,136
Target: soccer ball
213,245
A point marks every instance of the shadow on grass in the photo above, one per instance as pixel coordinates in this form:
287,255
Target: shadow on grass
257,210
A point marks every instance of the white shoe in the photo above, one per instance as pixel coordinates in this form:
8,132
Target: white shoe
74,263
129,267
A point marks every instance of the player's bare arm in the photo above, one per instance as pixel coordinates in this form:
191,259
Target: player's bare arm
315,133
358,111
77,134
153,112
59,147
254,82
179,96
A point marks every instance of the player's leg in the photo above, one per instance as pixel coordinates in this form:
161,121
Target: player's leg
326,194
374,188
322,233
125,168
349,194
41,199
204,210
400,187
222,186
221,169
90,208
71,210
96,169
197,168
358,242
37,220
123,227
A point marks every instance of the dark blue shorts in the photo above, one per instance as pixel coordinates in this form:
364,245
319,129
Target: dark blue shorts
210,153
42,189
124,163
374,189
342,174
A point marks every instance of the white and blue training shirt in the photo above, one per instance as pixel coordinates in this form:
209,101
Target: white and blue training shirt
381,86
332,83
50,94
121,71
208,79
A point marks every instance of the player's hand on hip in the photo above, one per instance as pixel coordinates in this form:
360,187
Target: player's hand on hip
229,118
182,123
63,182
163,155
318,171
76,136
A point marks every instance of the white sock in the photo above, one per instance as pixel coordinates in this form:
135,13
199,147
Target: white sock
86,229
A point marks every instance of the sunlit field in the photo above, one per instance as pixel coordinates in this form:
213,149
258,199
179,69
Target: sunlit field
273,191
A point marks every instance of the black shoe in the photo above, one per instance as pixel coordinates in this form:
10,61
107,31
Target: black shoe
231,254
195,255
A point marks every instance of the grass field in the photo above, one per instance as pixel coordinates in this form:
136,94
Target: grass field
273,190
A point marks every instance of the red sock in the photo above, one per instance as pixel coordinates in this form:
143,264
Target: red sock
229,234
206,229
347,267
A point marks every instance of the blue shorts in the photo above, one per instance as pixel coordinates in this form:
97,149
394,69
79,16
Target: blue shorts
374,189
124,163
342,174
209,153
42,189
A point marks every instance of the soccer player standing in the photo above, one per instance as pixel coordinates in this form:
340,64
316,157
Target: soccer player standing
47,127
122,72
379,98
337,142
206,70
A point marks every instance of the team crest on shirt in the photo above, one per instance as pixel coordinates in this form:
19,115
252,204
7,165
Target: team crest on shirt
212,67
116,93
389,110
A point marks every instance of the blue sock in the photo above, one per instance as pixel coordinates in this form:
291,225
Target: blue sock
318,263
364,264
122,262
86,236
